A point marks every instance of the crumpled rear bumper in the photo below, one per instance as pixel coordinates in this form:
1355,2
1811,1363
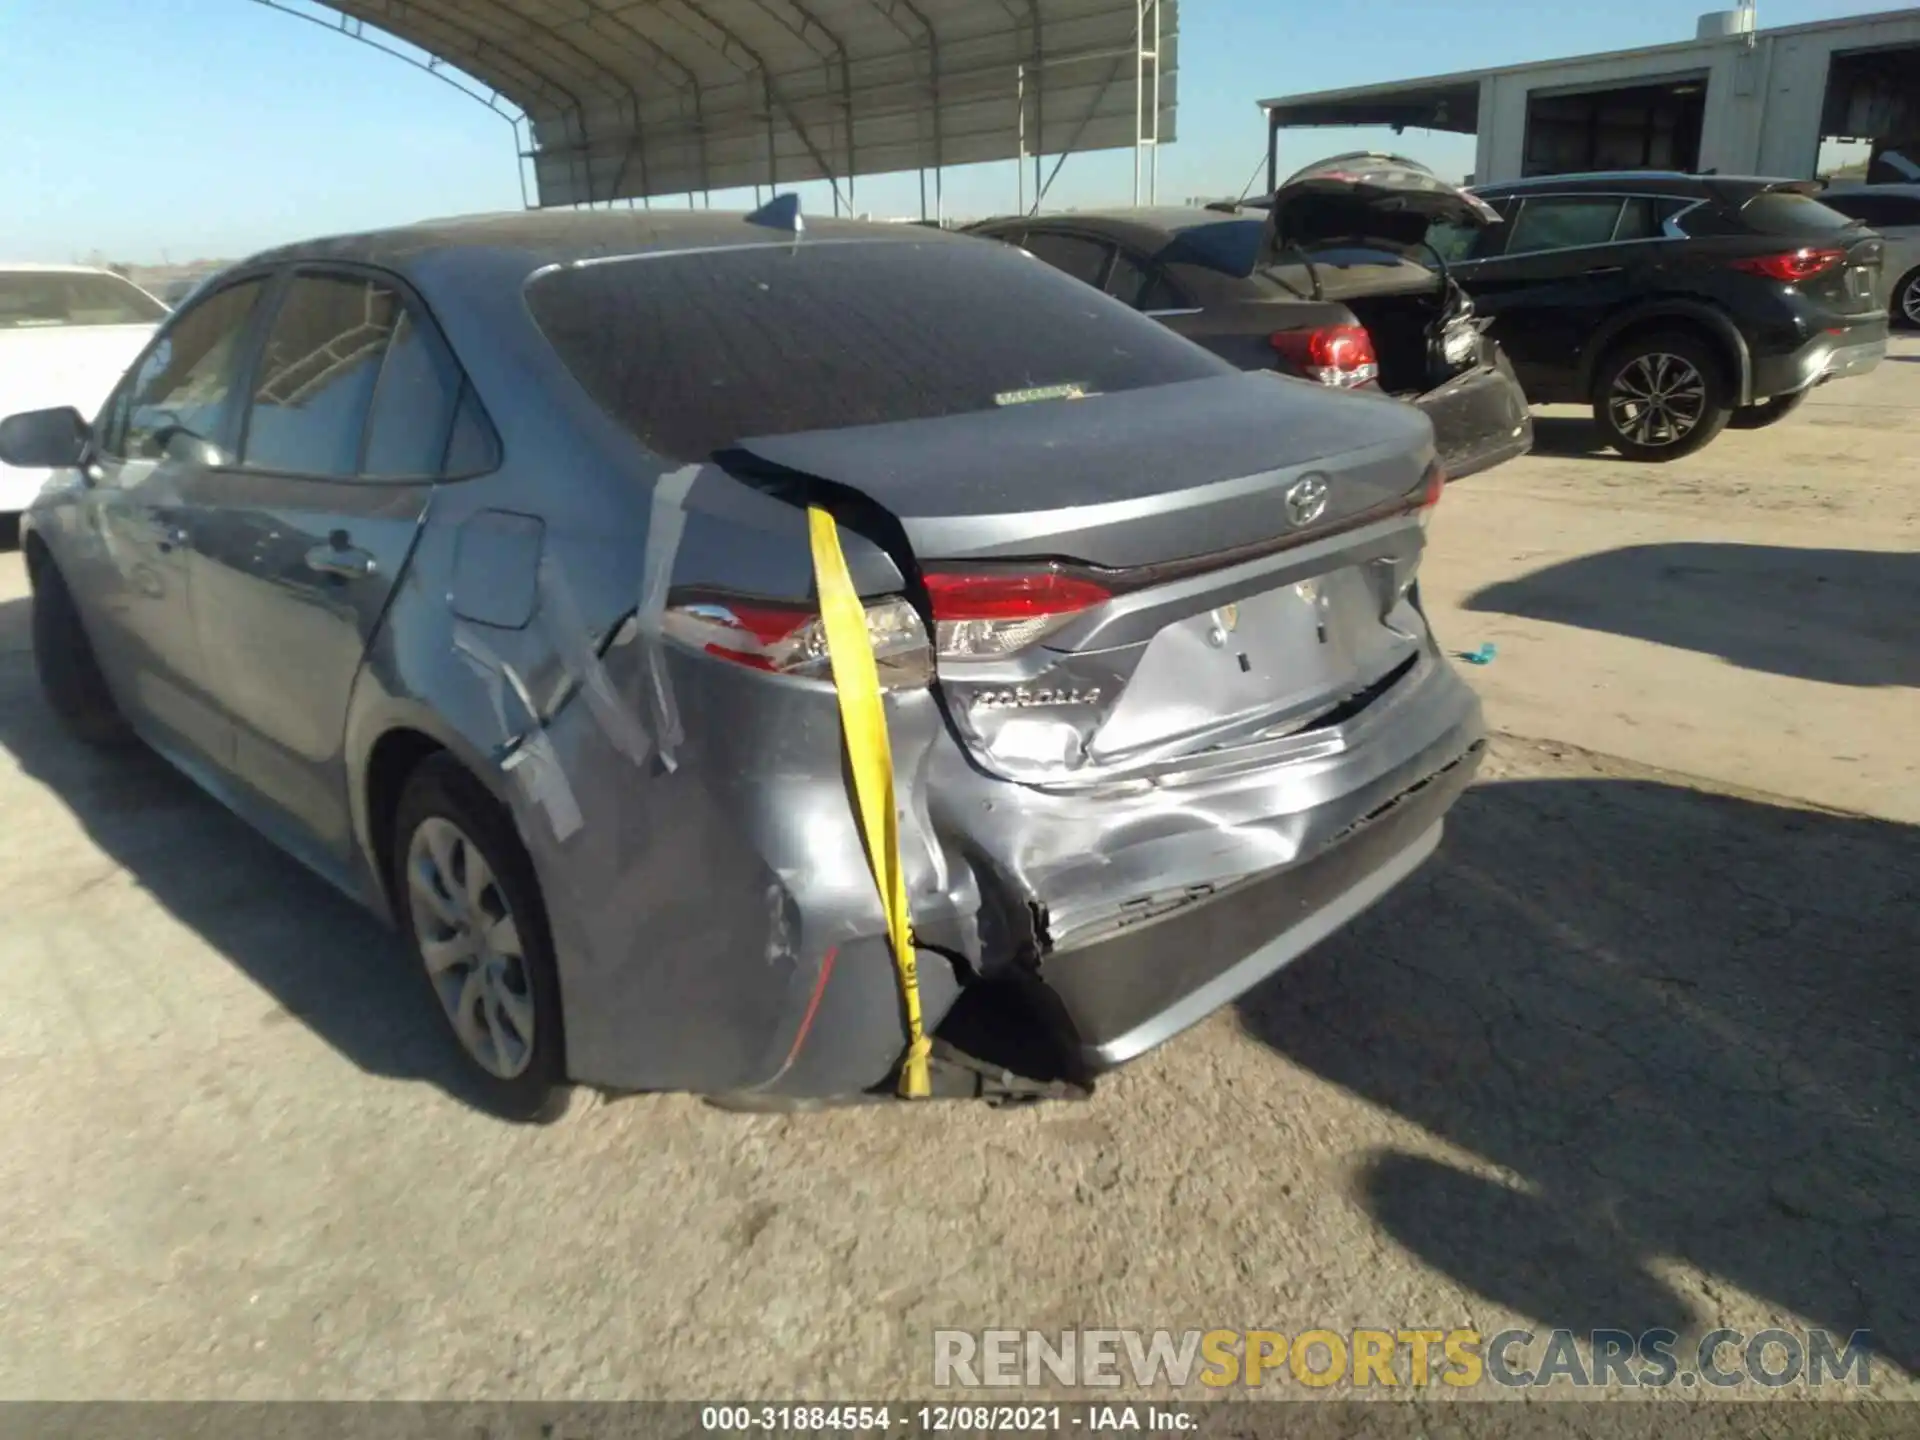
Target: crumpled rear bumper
1142,987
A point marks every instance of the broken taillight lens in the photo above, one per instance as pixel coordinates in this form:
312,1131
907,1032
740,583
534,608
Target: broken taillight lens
989,614
1337,355
790,640
1792,267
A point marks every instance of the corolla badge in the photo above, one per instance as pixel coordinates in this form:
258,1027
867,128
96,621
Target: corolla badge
1306,499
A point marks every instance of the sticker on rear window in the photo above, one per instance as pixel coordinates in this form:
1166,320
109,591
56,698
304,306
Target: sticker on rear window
1041,392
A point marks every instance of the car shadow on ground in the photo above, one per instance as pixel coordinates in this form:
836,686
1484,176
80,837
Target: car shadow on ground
1843,617
325,960
1683,1024
1570,437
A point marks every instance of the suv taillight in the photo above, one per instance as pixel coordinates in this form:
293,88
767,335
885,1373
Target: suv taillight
1338,355
989,614
1792,267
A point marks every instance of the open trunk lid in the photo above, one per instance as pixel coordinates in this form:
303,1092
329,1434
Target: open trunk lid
1366,196
1237,553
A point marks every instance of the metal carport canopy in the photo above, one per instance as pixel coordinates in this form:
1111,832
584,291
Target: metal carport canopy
627,99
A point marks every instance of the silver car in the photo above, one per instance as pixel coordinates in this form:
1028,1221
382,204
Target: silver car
470,563
1894,212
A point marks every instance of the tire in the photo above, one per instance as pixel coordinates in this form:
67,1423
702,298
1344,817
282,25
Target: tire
513,1063
1769,412
1691,404
1906,300
63,658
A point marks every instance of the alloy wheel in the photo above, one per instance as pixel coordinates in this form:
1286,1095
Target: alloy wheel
1657,400
470,943
1910,301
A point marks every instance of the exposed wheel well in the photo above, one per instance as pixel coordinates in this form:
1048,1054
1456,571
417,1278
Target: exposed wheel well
1683,324
396,755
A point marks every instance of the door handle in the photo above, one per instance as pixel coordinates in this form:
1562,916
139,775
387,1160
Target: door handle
1607,270
345,561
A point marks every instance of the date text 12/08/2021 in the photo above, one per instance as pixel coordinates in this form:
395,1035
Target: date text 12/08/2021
939,1419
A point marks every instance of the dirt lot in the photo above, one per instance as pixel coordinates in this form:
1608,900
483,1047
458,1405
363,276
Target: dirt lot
1637,1049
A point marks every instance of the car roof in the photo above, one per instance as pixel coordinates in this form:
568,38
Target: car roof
538,238
1143,224
1638,182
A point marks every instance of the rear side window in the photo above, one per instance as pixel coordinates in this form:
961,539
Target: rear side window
1783,212
316,377
413,406
1085,260
694,353
1145,287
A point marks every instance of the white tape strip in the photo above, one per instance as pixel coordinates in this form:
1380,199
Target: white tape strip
532,763
664,529
560,617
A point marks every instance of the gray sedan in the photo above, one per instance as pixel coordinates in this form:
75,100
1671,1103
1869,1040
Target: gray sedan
470,563
1893,211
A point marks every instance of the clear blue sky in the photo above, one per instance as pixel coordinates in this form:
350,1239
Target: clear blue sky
176,129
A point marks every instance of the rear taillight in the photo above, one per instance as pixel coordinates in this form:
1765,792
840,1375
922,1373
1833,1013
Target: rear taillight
1339,355
790,640
1792,267
986,615
1432,488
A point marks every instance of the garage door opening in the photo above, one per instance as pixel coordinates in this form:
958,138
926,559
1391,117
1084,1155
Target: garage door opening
1640,127
1870,122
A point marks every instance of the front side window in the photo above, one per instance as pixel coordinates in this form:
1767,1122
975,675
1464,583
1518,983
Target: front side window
316,376
184,383
697,352
1563,223
57,299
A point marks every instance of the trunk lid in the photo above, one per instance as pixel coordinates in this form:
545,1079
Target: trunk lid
1123,481
1367,196
1249,542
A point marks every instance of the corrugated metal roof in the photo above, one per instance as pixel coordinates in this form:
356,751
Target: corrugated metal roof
633,98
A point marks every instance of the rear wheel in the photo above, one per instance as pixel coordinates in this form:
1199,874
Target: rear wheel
1758,417
1906,300
471,910
63,658
1661,396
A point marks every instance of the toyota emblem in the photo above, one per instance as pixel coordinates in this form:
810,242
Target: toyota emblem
1306,499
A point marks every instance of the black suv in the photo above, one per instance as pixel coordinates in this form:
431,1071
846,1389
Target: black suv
1673,304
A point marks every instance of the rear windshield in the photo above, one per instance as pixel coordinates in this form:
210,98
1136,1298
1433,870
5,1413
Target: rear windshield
33,299
1229,246
1782,212
695,352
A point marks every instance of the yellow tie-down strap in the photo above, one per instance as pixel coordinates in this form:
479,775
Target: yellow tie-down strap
863,718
